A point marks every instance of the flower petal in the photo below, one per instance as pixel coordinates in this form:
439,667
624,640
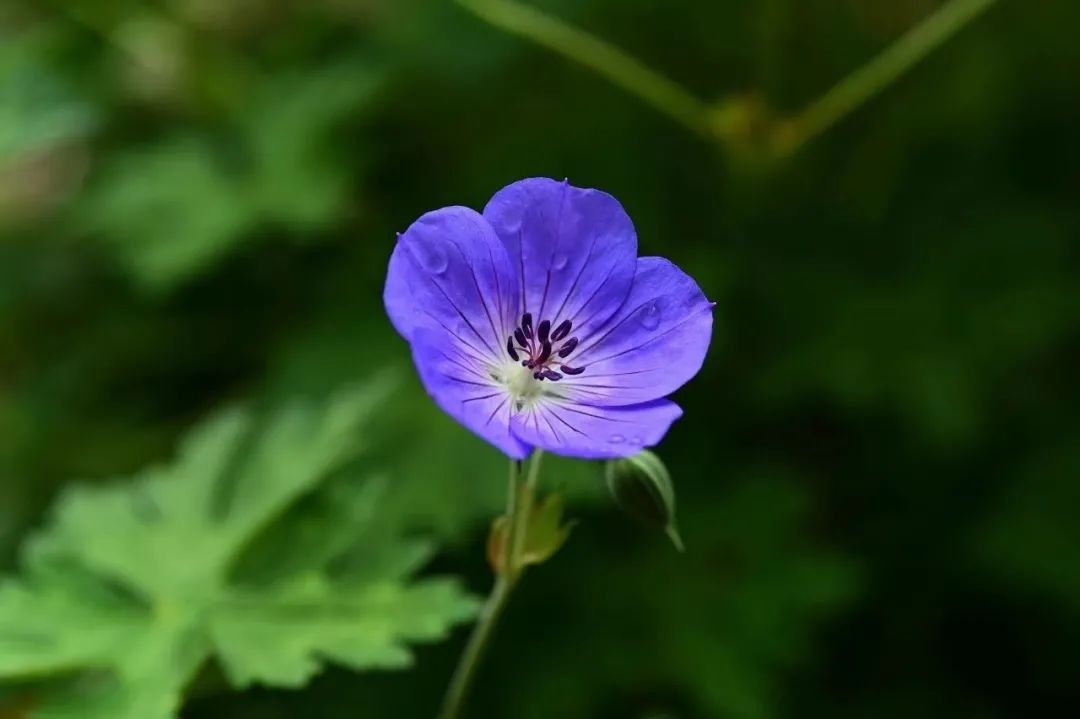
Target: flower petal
463,387
652,346
450,271
573,249
590,432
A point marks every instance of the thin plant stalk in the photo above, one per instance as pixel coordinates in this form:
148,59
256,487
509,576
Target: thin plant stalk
674,100
873,77
600,56
519,505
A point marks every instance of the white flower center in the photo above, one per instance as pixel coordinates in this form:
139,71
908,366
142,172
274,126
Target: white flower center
522,385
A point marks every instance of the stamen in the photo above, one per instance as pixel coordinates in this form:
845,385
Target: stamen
536,359
561,331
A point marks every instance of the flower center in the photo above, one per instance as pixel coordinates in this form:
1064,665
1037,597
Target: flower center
522,385
542,350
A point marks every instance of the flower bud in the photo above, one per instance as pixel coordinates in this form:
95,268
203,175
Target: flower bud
641,486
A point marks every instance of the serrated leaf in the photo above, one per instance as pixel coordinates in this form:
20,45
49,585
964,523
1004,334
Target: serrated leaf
281,637
132,587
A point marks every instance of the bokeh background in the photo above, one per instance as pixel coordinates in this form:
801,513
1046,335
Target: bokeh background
878,467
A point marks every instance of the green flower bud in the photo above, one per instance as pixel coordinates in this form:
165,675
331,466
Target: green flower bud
641,486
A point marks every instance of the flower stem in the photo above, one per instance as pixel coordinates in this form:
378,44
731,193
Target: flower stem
876,75
474,650
785,135
519,506
600,56
525,506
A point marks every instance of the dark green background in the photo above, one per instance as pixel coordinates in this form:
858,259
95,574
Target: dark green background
878,467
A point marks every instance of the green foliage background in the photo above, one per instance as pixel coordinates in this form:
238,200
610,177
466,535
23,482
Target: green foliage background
878,467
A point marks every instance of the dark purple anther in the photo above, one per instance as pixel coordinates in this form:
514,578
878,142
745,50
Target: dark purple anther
543,330
567,369
510,349
553,376
539,376
570,346
561,331
545,352
526,324
520,337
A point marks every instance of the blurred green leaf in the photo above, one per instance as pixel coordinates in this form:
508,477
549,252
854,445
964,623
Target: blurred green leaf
37,108
169,210
1030,543
172,209
299,177
140,583
44,124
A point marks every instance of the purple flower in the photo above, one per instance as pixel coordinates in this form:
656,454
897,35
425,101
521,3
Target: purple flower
535,324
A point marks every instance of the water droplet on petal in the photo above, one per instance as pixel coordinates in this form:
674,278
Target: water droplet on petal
559,261
649,316
432,257
616,439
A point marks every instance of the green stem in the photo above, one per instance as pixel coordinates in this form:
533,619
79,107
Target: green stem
474,650
663,93
525,507
675,101
516,508
873,77
519,506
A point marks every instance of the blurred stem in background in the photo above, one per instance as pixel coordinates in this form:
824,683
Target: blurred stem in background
664,94
224,91
873,77
730,121
522,495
